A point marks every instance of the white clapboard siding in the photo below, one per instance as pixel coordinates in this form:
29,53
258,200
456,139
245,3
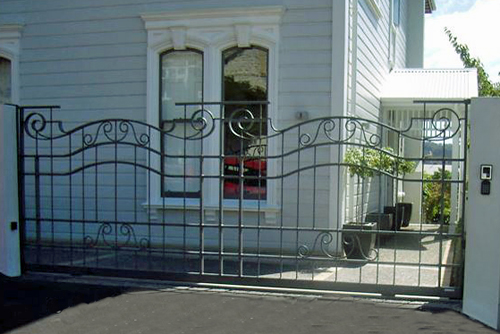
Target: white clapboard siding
89,57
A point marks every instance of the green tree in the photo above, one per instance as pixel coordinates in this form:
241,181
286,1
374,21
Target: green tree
486,86
437,196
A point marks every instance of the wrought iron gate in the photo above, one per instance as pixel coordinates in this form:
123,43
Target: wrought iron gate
221,194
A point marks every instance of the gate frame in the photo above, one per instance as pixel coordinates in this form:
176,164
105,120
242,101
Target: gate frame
388,290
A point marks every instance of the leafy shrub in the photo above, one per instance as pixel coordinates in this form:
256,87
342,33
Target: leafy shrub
366,162
433,192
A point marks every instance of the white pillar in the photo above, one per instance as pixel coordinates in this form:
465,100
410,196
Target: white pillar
482,216
10,259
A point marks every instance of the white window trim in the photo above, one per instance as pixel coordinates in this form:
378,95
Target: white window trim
210,31
10,36
393,36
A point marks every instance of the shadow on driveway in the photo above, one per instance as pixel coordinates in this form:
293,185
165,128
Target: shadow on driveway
23,302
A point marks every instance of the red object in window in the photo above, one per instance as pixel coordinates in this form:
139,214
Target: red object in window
254,167
253,164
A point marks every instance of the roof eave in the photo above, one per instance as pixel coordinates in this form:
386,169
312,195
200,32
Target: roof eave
430,6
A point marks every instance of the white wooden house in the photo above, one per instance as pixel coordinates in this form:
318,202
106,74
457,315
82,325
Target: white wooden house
134,60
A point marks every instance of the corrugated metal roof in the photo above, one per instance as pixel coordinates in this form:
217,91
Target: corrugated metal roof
431,84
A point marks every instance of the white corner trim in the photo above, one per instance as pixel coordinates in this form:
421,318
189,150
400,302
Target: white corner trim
375,7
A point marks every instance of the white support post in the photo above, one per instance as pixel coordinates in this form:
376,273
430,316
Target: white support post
10,254
482,216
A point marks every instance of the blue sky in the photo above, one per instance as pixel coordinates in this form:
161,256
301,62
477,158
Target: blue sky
475,23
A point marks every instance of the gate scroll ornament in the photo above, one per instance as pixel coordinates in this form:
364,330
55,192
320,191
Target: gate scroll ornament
350,242
125,229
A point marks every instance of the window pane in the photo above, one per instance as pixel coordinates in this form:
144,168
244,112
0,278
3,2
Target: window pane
181,81
245,72
5,81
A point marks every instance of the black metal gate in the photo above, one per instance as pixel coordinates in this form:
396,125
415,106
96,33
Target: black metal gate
221,194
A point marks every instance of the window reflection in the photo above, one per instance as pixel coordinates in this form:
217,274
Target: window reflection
181,81
245,74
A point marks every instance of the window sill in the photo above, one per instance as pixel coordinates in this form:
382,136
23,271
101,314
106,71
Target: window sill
192,204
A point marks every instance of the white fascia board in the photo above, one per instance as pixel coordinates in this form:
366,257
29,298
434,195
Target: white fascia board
397,102
214,17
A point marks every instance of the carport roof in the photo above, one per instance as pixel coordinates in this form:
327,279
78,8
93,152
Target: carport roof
430,84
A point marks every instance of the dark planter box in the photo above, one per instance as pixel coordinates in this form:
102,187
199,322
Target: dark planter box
404,211
401,214
358,245
384,222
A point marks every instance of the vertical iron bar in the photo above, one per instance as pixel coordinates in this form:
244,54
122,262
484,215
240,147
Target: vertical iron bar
83,196
96,202
282,177
422,197
313,263
184,189
149,222
162,191
221,188
136,255
240,206
70,200
441,203
52,186
116,193
396,230
37,201
21,184
259,183
298,207
339,205
201,211
465,145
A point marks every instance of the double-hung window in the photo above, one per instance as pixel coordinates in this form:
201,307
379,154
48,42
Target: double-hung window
203,56
10,35
181,81
245,78
5,80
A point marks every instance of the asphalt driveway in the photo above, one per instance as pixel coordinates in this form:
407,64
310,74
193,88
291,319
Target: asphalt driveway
42,306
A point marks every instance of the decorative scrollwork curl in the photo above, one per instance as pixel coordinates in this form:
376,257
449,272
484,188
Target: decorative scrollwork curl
325,127
350,241
241,122
353,126
443,124
125,230
116,131
106,127
34,125
324,239
201,124
352,245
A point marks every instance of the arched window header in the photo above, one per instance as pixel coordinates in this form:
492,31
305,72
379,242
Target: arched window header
182,29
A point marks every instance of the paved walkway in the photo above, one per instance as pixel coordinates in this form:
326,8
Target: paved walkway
69,306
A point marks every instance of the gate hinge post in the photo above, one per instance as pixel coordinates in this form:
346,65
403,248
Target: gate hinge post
10,251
